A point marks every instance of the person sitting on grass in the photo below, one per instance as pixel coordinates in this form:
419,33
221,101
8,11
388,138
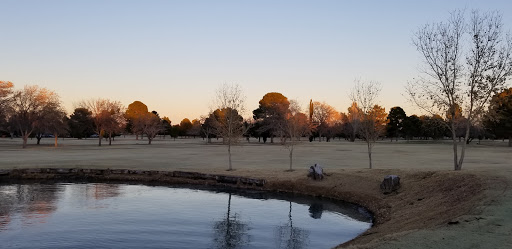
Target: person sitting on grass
316,172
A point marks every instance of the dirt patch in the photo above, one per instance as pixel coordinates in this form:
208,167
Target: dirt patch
427,199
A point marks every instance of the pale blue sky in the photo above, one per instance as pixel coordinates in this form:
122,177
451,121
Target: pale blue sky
172,55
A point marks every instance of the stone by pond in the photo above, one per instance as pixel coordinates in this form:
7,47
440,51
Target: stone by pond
100,215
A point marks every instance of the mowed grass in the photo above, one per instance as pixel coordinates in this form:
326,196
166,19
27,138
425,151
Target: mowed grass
195,154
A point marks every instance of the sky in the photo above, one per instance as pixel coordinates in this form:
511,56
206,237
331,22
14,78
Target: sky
173,55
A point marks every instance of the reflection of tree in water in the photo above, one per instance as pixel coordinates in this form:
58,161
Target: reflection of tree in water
230,232
7,201
316,210
34,202
291,237
95,194
5,219
100,191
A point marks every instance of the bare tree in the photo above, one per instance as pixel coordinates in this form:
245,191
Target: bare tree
51,120
230,103
115,121
466,63
151,125
365,94
107,115
27,108
323,115
295,126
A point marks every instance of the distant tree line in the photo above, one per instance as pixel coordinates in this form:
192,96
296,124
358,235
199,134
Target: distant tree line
34,112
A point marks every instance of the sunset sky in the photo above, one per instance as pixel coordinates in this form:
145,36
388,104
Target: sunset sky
172,55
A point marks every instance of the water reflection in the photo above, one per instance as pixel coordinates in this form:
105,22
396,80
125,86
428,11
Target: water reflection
290,236
92,195
316,210
33,204
134,216
102,191
230,232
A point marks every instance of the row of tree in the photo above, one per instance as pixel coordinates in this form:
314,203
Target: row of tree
31,110
467,64
36,112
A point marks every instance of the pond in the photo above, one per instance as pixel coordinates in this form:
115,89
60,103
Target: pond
100,215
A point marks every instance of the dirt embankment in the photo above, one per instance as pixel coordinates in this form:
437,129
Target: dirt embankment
425,200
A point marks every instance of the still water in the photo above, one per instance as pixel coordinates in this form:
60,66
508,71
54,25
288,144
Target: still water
98,215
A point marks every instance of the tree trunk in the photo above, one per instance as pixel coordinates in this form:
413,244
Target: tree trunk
25,139
369,152
38,137
137,136
454,141
99,139
510,141
56,139
466,139
149,140
291,157
229,153
109,138
471,139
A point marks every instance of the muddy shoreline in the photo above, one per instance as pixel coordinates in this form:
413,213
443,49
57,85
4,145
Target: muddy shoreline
425,200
